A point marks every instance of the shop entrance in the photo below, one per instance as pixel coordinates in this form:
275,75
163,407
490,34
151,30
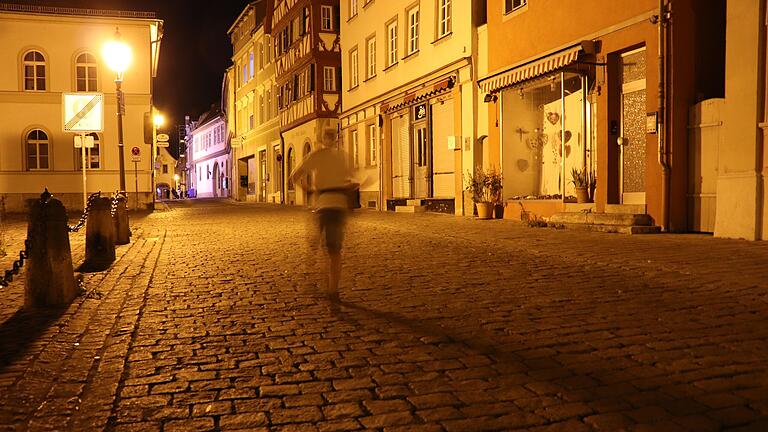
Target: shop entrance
263,176
632,139
421,158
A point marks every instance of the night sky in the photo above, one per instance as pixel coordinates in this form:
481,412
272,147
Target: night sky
194,53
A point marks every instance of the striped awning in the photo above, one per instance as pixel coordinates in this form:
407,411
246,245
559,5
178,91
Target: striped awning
417,96
530,69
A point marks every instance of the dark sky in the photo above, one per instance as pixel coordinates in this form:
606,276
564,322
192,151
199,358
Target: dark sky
194,53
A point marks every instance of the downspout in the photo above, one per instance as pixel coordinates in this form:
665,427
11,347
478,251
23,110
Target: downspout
661,128
282,168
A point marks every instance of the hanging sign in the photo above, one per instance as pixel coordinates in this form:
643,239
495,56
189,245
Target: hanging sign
83,112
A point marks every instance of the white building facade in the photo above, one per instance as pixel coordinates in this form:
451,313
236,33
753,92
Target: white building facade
48,51
210,166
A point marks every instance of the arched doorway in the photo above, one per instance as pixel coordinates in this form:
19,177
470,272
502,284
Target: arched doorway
216,181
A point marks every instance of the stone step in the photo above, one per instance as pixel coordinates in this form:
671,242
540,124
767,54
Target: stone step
620,229
620,219
625,208
410,209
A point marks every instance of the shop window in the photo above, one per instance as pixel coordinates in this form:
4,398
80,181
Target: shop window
544,138
372,150
289,166
354,150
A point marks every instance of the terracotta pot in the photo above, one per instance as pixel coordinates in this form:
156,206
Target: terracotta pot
484,210
582,195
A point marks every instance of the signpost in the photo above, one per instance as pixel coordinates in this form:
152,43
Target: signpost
83,113
136,158
162,140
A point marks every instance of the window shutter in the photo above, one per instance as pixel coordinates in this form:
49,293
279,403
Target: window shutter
338,79
336,18
295,87
312,77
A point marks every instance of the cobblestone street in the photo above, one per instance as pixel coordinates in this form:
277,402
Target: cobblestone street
211,319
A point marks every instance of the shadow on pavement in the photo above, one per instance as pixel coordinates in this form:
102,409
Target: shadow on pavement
23,329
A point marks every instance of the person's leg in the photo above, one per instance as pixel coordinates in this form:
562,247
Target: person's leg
334,274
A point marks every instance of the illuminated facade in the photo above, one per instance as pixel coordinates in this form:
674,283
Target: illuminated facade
165,170
210,165
47,51
410,107
584,94
306,48
251,107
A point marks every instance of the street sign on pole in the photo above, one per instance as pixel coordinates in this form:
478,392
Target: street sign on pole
136,154
162,137
83,112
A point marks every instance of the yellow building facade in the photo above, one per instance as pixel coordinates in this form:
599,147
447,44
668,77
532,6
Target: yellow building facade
48,51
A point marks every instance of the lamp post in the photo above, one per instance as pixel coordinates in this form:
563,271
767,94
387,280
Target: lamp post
118,56
157,121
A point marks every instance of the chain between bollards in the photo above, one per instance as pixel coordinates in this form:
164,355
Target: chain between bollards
115,199
7,278
84,217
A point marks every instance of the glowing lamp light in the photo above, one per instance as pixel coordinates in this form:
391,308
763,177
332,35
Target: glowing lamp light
159,120
176,178
117,54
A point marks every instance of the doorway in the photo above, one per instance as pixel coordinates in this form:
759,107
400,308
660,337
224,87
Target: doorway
263,176
421,158
216,181
632,140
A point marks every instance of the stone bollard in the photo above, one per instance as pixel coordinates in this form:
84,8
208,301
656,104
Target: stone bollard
122,230
50,279
99,236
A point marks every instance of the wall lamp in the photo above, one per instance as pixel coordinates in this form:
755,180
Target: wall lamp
490,98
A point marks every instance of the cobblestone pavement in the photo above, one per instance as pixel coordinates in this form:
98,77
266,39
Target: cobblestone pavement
210,319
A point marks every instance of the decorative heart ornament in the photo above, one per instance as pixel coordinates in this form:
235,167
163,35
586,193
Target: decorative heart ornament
553,117
568,136
522,164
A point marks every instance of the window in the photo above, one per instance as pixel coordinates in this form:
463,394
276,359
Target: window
85,72
92,159
353,69
245,73
262,117
329,78
371,58
372,144
512,5
392,43
37,150
326,18
165,168
413,30
352,8
305,20
268,107
34,71
250,63
290,163
444,18
353,148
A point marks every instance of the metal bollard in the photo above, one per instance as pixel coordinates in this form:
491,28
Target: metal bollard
122,230
99,237
50,279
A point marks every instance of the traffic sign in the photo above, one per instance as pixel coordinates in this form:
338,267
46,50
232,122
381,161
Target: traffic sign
162,144
79,141
83,112
136,154
162,137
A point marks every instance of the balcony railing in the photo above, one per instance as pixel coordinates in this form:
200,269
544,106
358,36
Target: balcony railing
53,10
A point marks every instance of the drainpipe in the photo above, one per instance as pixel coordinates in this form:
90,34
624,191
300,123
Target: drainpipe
660,133
282,168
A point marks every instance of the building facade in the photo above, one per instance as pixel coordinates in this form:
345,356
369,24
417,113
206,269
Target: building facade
210,164
607,94
410,105
165,182
307,66
252,109
47,51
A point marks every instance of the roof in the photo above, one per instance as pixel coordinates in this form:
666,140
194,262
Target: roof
258,6
54,10
209,116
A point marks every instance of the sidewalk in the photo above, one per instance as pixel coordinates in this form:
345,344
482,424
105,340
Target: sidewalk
211,320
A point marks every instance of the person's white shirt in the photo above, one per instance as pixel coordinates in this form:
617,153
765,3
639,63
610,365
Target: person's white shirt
331,177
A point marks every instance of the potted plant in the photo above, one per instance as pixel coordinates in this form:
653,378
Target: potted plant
581,184
485,187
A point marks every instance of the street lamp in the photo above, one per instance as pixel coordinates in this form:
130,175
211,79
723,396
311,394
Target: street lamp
118,56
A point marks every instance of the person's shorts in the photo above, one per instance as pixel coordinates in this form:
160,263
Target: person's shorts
332,227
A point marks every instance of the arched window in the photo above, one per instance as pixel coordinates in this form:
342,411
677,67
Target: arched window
37,147
92,155
290,164
34,71
85,72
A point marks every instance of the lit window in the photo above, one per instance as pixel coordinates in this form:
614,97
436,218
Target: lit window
392,43
34,71
353,69
250,63
329,78
352,8
413,30
512,5
371,58
326,18
444,18
372,144
85,72
37,150
354,151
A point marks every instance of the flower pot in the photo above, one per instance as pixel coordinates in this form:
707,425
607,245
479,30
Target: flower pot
484,210
582,195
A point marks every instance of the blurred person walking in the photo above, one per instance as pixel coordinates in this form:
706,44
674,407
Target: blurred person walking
331,186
